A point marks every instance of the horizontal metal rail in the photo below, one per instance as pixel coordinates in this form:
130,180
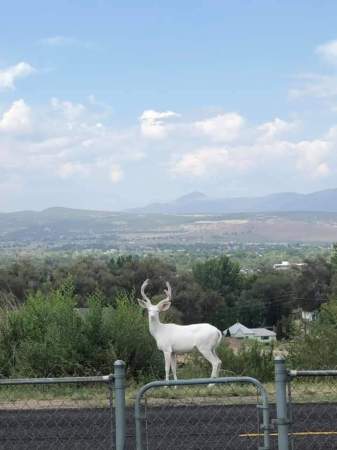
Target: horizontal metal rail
312,373
61,380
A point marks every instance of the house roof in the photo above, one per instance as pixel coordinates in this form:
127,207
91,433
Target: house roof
263,332
240,330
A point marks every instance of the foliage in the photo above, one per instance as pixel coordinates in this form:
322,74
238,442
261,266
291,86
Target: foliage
42,338
312,286
269,298
97,348
252,359
132,340
216,290
220,275
317,350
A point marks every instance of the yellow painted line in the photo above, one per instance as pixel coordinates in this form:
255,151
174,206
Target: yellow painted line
298,433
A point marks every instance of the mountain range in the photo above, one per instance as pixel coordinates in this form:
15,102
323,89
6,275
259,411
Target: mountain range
282,217
199,203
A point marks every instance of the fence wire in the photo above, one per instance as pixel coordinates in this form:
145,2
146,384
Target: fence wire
56,416
186,417
312,404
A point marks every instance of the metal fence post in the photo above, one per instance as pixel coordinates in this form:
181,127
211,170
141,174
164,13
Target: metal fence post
119,375
282,420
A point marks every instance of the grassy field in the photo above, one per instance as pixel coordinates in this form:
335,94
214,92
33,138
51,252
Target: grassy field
80,396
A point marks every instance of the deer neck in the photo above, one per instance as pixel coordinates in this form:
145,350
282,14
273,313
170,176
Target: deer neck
155,325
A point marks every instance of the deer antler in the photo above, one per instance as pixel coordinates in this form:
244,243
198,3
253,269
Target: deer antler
142,291
168,292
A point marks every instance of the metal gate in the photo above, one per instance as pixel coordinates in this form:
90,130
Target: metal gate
231,413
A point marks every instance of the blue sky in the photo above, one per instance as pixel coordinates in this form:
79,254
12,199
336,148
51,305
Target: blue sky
114,104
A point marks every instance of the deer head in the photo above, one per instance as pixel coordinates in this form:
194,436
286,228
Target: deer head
163,305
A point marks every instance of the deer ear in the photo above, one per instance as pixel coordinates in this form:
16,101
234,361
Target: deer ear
142,303
164,306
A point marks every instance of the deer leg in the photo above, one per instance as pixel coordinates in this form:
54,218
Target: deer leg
214,360
167,356
218,362
174,365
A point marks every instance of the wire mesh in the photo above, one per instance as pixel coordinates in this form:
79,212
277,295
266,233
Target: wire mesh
224,416
313,413
54,416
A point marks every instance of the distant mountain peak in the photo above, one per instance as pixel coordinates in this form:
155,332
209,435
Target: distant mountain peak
191,197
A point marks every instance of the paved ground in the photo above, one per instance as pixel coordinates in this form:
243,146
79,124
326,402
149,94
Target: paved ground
203,428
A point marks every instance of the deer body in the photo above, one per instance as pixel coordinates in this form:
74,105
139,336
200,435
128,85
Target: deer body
184,338
173,339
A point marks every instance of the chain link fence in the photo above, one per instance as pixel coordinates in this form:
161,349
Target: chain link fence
312,400
61,413
231,414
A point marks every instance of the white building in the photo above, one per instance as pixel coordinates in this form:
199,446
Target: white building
286,265
309,316
239,331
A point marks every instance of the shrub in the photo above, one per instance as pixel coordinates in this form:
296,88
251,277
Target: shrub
97,352
47,336
131,339
253,359
42,338
317,350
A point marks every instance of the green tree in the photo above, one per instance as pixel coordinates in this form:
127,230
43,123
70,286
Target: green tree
221,275
333,262
269,299
313,283
317,350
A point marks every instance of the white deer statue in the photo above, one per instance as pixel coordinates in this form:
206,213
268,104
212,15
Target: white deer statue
172,339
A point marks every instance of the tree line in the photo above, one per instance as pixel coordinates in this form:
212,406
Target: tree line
77,317
215,290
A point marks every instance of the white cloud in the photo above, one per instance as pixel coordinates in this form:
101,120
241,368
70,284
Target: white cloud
312,157
68,169
306,158
221,128
316,86
59,41
17,119
65,41
275,128
70,140
207,161
116,174
153,123
328,51
71,111
9,75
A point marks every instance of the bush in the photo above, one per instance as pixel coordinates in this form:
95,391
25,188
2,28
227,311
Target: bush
253,359
47,336
317,350
97,351
42,338
132,341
